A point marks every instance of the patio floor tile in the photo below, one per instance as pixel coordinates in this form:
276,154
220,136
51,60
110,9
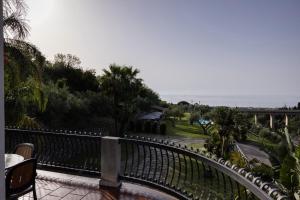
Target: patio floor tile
92,196
61,192
81,191
49,197
57,188
72,197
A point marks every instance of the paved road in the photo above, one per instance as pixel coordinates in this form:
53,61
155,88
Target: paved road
252,152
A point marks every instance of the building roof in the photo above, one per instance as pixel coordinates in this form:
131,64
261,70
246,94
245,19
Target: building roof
151,116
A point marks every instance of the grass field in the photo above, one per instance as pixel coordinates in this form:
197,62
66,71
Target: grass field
183,128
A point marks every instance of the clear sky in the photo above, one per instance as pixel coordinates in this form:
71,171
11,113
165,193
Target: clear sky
209,47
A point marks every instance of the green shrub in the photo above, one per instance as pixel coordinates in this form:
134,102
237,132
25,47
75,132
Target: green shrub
138,126
264,171
147,126
237,159
265,133
282,150
163,129
288,175
154,127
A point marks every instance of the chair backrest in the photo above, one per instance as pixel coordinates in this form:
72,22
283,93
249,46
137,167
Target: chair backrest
20,177
25,149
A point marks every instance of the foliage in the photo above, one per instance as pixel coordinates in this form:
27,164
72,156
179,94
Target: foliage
241,126
146,98
264,171
294,125
224,123
271,136
14,22
67,110
236,158
67,68
229,124
174,113
128,94
195,116
162,129
22,82
202,109
288,174
22,64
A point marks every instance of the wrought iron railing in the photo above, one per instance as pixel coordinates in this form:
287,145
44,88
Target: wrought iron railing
189,174
182,172
68,150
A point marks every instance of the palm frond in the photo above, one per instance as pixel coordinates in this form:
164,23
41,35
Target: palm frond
10,6
15,26
14,23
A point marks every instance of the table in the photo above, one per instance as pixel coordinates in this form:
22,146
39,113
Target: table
12,159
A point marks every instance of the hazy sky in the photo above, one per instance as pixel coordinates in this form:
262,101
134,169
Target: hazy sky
181,46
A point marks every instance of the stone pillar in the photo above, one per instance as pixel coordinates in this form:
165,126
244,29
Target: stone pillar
2,123
271,122
286,122
255,119
110,162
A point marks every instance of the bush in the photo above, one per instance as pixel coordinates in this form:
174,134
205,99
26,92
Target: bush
138,126
147,127
237,159
154,127
264,171
282,150
131,126
265,133
271,136
162,129
288,176
194,117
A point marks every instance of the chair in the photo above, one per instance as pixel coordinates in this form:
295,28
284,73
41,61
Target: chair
26,150
20,179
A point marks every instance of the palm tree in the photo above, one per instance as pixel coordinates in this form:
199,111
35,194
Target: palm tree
14,23
121,84
23,62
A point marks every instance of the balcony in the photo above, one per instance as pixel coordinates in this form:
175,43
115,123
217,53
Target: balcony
55,186
140,164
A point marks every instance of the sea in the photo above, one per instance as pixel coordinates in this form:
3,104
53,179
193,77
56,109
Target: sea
261,101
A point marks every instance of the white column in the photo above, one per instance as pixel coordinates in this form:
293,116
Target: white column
255,119
271,121
286,122
110,162
2,139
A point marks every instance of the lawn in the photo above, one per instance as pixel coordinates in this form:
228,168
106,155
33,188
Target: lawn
183,128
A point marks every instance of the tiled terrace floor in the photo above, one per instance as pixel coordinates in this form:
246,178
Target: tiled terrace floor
55,186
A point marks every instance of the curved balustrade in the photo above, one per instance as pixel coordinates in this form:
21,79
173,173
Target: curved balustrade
189,174
70,150
181,172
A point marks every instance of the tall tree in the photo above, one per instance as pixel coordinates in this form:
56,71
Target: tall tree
223,119
121,84
22,65
67,67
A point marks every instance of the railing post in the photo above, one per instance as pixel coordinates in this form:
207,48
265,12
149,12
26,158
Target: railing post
2,121
110,161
